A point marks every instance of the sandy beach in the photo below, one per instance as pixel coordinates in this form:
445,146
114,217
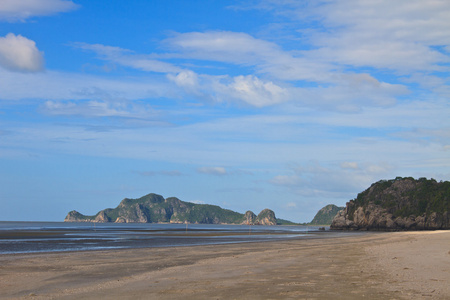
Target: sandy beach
397,265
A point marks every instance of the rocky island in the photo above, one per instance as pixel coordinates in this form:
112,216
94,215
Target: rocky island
398,204
153,208
326,214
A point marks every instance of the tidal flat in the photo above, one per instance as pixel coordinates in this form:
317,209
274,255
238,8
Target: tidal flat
390,265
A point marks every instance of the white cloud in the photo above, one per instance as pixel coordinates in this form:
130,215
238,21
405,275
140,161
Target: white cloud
94,108
286,180
219,171
147,64
291,205
243,49
17,53
386,38
247,89
20,10
52,85
352,92
426,136
340,91
317,180
128,58
257,92
224,46
336,90
186,79
349,165
399,35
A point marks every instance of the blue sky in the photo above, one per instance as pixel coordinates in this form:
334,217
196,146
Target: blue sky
288,105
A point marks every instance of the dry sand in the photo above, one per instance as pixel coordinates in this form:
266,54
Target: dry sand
373,266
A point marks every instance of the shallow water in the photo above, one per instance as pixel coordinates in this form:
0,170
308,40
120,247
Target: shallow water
30,237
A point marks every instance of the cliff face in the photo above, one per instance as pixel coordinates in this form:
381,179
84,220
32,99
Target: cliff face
398,204
249,218
326,215
154,208
266,217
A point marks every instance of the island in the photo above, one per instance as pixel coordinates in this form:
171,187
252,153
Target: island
153,208
326,215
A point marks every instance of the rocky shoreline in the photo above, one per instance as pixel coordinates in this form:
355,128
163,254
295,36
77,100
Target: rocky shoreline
374,217
397,205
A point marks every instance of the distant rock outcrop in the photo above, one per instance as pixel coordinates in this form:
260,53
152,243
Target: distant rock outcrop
398,204
249,218
266,217
153,208
326,215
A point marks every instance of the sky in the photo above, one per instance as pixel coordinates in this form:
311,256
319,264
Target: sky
287,105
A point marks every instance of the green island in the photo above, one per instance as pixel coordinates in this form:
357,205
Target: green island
325,215
153,208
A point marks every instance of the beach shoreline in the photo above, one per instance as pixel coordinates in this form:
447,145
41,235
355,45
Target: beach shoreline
389,265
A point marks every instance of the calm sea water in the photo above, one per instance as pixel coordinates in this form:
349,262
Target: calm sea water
30,237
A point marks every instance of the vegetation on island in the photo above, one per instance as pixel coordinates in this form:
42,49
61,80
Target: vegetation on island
326,215
398,204
286,222
404,197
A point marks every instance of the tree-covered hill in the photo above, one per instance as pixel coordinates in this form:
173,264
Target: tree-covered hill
326,215
398,204
153,208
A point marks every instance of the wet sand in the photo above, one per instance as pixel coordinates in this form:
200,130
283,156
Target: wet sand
399,265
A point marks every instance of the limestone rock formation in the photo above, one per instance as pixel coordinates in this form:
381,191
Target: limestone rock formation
75,216
266,217
398,204
153,208
249,218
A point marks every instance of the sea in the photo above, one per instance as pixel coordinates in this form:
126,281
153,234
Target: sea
35,237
